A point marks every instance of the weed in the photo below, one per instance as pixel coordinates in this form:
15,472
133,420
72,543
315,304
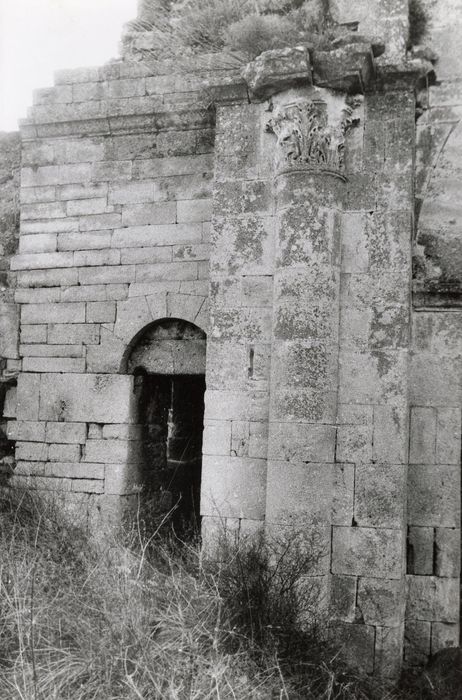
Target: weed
238,27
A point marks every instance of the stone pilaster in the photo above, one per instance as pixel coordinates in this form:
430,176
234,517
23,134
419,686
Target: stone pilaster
238,345
310,126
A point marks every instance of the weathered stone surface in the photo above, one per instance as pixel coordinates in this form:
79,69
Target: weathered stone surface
433,598
86,398
388,650
417,637
233,488
434,495
447,551
343,598
278,69
378,495
380,602
349,68
420,551
444,636
368,552
356,643
291,250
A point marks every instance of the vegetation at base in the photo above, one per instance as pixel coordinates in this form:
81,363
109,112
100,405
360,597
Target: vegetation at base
137,615
418,20
243,28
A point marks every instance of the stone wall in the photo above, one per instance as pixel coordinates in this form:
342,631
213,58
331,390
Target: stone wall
115,229
436,368
10,160
280,221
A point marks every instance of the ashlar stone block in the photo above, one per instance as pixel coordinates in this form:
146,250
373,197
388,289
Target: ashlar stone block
444,636
66,432
380,601
417,636
233,487
371,552
343,598
217,438
93,398
379,495
420,551
27,401
423,435
302,442
448,436
433,599
388,651
447,550
299,492
356,643
434,495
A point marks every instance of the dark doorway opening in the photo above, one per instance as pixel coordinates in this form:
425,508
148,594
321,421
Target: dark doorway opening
171,415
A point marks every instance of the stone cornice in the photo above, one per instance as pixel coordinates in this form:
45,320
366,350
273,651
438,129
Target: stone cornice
130,124
350,68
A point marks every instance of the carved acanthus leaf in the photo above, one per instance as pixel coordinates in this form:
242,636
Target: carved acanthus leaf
308,138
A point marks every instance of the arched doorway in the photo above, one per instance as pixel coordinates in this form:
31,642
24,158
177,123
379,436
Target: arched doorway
168,362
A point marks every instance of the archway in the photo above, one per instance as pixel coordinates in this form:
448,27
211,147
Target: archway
168,362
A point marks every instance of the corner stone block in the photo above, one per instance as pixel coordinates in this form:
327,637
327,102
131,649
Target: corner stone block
28,431
361,551
381,602
95,398
121,479
28,393
233,487
434,495
433,599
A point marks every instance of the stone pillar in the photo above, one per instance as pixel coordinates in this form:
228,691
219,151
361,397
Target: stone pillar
310,126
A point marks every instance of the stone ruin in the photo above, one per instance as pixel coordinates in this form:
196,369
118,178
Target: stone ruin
249,302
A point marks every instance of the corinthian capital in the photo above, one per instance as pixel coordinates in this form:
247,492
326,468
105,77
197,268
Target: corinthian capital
311,133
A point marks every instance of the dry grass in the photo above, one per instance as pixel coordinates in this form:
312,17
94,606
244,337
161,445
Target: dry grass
142,618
